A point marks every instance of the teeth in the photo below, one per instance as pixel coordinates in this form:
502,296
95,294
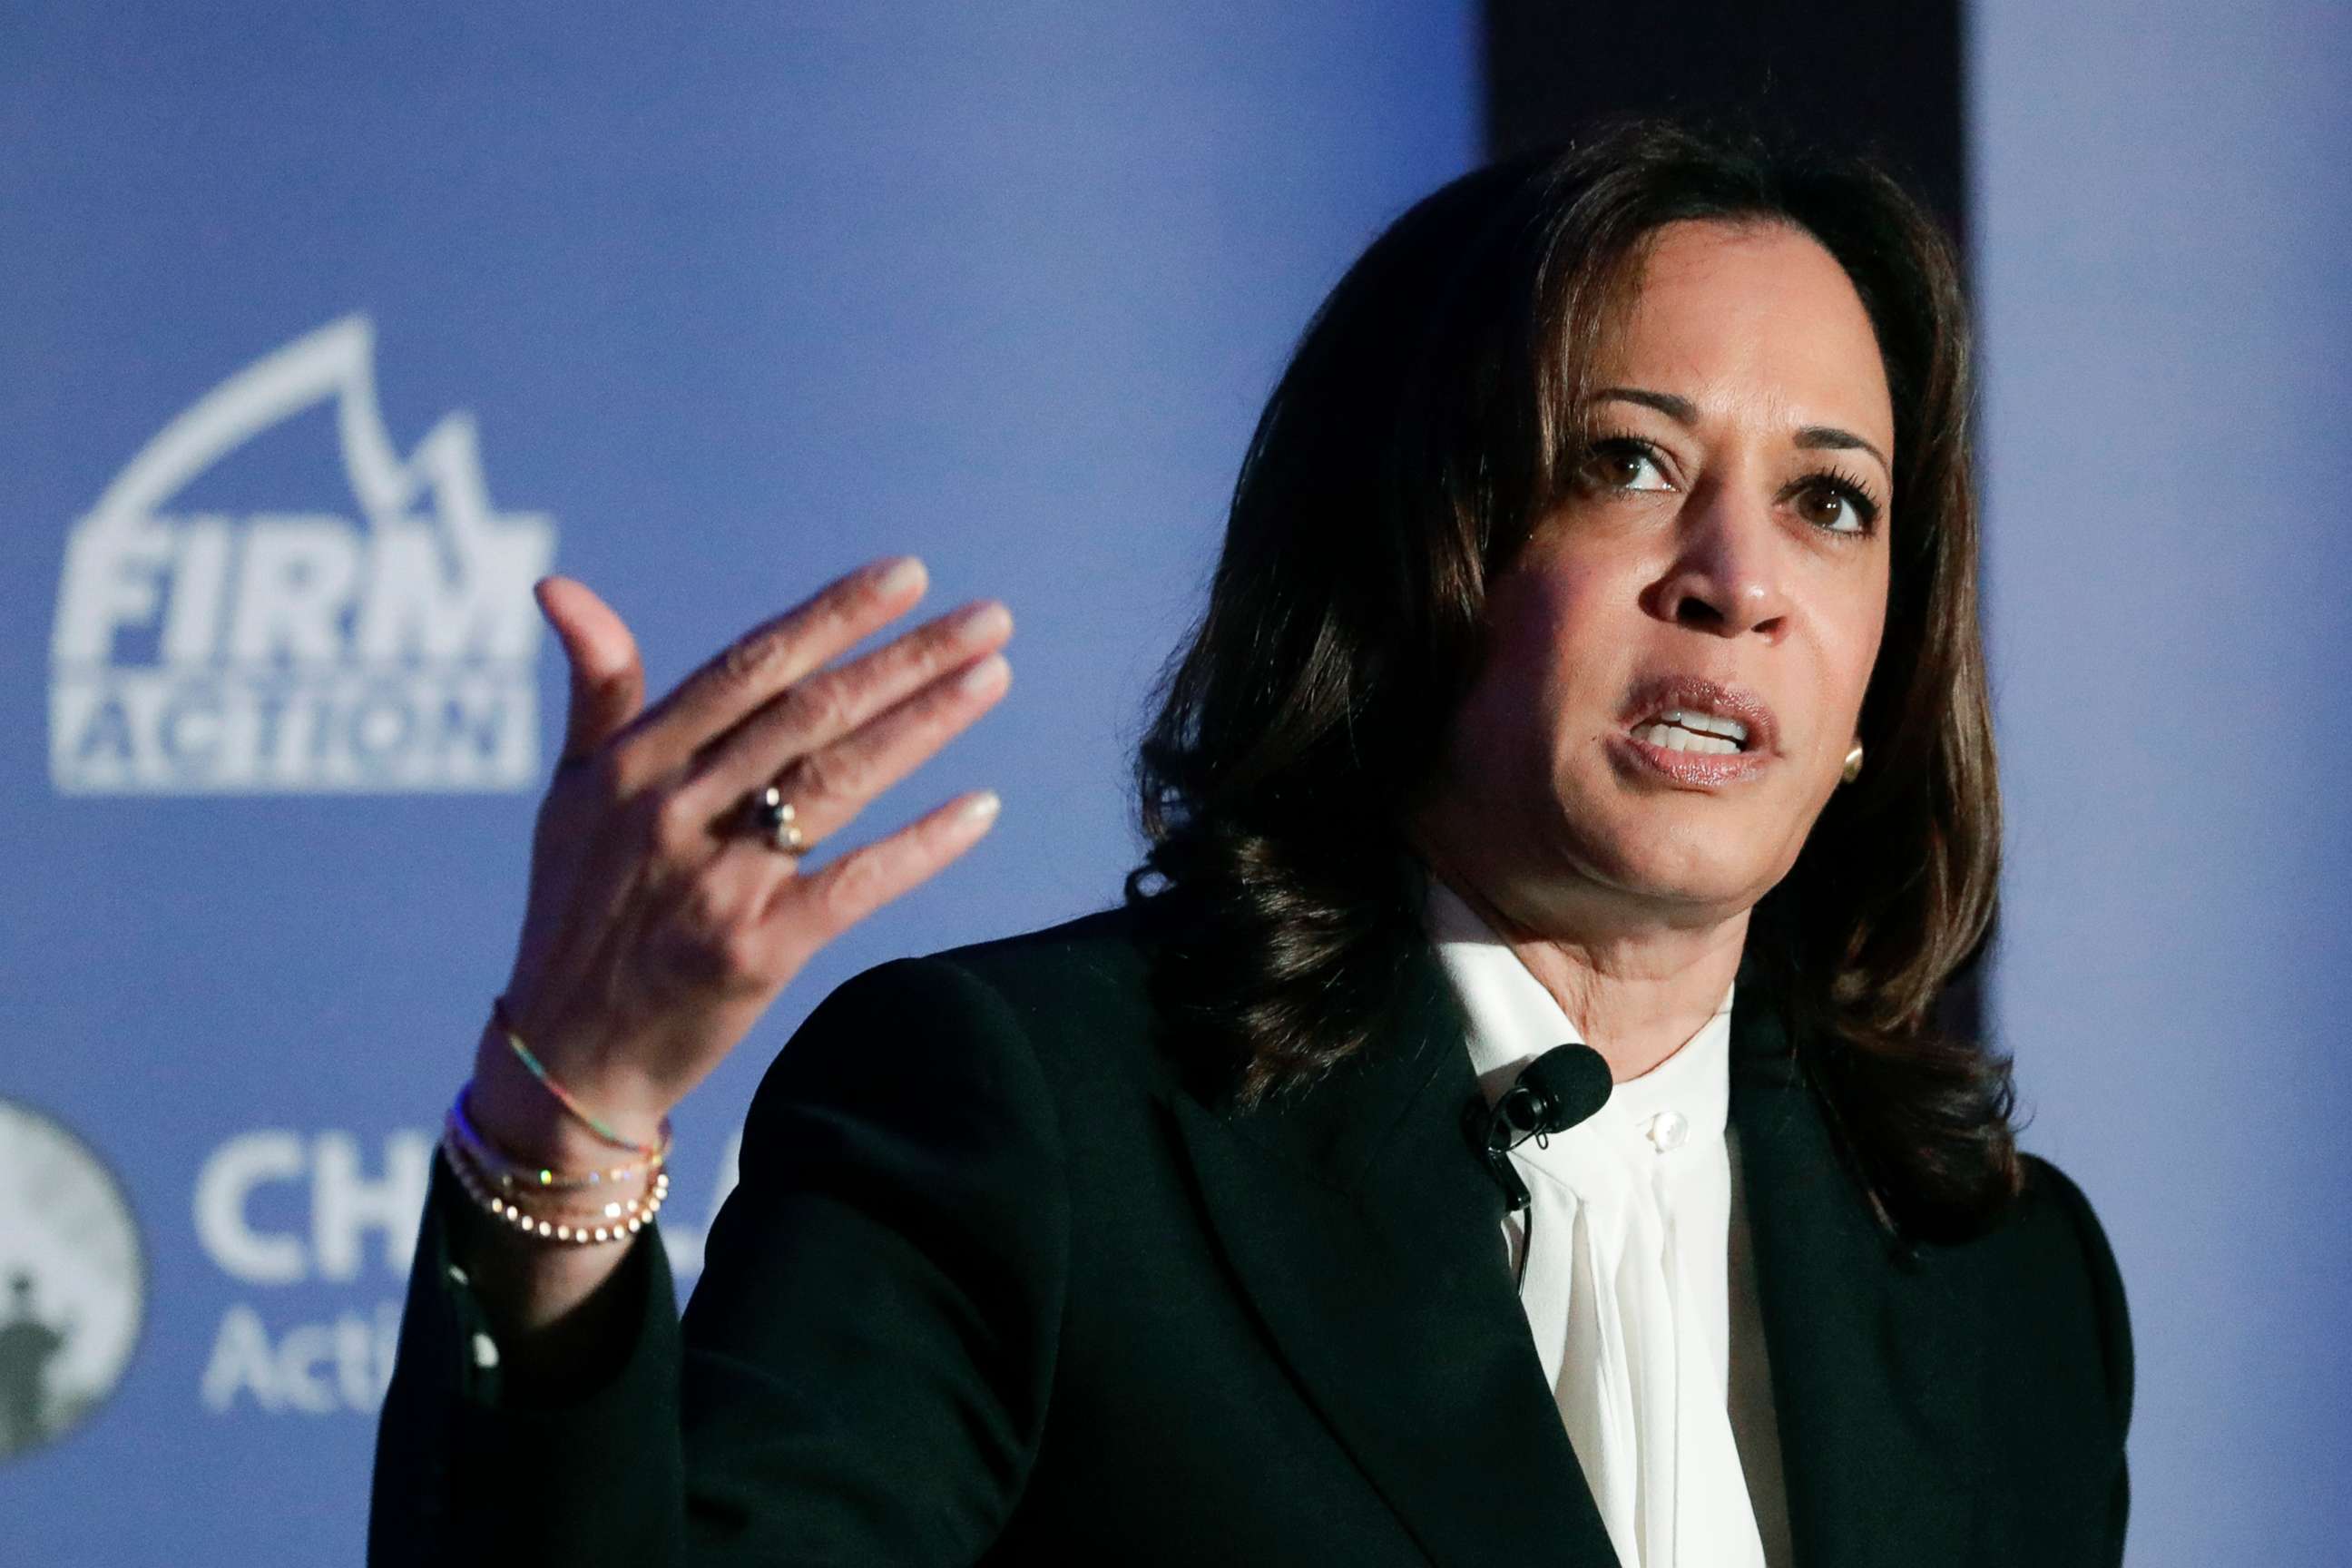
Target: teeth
1675,738
1694,730
1707,723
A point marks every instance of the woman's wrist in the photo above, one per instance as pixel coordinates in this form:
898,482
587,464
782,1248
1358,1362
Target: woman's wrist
514,1110
537,1296
537,1292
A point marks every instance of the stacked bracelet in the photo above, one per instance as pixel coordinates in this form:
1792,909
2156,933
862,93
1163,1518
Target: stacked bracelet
511,1173
614,1221
493,1176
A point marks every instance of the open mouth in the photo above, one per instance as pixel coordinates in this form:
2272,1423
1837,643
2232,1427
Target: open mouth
1696,731
1693,730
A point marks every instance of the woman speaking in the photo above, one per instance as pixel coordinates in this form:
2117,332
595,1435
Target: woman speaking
1504,1122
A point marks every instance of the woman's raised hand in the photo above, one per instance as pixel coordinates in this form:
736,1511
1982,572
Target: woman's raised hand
660,925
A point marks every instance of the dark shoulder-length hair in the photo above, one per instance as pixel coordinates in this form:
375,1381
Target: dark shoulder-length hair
1428,415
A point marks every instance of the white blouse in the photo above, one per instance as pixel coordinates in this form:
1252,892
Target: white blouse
1638,1288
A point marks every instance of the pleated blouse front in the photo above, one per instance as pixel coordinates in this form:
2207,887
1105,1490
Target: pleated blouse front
1637,1281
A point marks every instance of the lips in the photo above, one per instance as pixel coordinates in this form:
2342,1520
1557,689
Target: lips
1695,731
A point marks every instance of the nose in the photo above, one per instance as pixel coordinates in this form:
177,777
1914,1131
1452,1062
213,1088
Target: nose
1725,573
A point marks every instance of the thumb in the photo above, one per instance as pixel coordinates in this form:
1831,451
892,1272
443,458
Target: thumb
608,679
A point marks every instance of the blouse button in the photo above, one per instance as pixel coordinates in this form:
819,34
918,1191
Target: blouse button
1667,1130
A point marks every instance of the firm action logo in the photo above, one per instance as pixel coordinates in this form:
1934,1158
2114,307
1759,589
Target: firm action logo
299,651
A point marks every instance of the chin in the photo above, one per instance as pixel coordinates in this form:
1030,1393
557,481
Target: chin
1715,893
1705,870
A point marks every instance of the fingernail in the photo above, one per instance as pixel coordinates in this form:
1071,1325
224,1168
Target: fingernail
899,575
982,674
981,623
981,806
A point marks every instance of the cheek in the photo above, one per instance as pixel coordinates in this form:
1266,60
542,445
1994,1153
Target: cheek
1529,675
1853,629
1551,658
1868,639
1562,610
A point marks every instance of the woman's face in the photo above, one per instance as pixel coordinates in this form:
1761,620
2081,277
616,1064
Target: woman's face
1673,667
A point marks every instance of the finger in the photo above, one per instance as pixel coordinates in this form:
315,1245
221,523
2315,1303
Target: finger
809,911
828,788
766,660
815,713
608,679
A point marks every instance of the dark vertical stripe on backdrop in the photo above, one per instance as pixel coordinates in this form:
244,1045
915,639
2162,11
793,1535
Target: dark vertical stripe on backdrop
1874,77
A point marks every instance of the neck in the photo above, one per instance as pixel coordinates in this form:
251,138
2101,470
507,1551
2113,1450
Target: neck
1636,990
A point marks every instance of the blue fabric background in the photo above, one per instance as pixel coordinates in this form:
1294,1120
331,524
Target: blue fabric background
737,303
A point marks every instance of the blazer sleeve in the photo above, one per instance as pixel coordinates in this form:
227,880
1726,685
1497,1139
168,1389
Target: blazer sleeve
863,1372
2114,1318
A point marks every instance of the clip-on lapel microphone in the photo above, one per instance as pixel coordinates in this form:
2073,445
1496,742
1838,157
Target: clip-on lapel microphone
1560,1089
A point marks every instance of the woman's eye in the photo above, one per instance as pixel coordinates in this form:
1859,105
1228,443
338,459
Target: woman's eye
1836,508
1624,466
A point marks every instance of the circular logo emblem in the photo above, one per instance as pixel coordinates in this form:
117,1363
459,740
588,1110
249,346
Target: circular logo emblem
73,1280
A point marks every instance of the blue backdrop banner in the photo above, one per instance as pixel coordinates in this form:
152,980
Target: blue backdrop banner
328,333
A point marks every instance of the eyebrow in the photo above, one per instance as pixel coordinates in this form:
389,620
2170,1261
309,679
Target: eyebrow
1683,411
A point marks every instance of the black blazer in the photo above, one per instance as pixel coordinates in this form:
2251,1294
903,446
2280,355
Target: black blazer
996,1289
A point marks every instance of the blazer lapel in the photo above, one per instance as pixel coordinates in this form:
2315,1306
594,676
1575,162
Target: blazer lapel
1369,1239
1366,1236
1873,1362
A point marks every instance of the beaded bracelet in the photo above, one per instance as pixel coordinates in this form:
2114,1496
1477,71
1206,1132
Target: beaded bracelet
563,1096
617,1221
512,1171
